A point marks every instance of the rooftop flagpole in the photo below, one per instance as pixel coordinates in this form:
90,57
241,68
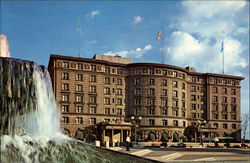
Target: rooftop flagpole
79,39
222,50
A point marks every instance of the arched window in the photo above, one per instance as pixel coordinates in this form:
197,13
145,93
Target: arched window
151,136
66,132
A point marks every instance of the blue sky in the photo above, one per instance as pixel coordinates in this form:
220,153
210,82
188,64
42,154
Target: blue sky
193,30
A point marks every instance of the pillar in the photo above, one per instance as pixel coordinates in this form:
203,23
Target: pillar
121,136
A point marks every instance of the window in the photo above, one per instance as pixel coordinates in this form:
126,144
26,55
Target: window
215,107
183,86
176,123
164,92
165,72
164,111
224,99
193,88
65,120
79,77
215,116
151,82
65,108
233,100
119,81
224,108
193,79
79,66
175,84
119,111
119,91
151,91
175,74
202,89
193,97
224,90
79,120
92,109
215,99
175,103
193,106
79,88
183,95
215,90
164,102
93,67
224,125
151,111
183,123
151,122
151,71
193,115
151,101
183,114
175,113
65,76
65,86
175,93
107,91
92,78
224,116
233,126
65,98
233,92
107,80
137,71
234,117
92,89
164,82
137,81
137,101
164,122
183,104
106,101
79,98
119,71
216,125
79,109
107,70
107,111
137,91
119,101
233,108
65,64
92,121
92,99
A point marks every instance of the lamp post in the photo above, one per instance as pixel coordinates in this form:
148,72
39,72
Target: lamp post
200,123
136,124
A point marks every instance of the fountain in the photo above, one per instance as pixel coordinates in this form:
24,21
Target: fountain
30,129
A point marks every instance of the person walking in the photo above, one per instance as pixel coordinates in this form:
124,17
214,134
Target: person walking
127,143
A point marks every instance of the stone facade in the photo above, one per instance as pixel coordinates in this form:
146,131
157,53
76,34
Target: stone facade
168,98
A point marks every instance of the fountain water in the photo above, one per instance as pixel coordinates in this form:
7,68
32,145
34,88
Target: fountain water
29,126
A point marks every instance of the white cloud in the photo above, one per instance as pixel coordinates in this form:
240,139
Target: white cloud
199,31
136,53
137,19
94,13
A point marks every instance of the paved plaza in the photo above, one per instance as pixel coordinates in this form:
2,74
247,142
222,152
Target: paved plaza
190,154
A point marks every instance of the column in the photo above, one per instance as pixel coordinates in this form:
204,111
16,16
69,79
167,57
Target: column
112,137
121,136
103,137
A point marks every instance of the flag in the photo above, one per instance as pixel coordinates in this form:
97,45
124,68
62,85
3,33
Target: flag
158,35
222,46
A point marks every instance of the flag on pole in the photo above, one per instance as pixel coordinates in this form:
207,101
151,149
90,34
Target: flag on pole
158,35
222,46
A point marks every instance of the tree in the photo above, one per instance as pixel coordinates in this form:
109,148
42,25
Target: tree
244,124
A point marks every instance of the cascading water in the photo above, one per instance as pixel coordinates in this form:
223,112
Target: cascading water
29,126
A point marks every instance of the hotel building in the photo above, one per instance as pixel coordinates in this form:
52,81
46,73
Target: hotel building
103,92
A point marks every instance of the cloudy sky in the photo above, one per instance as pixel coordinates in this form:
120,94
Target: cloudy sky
192,30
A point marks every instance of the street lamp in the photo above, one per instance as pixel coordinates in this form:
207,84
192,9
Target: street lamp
136,124
199,128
